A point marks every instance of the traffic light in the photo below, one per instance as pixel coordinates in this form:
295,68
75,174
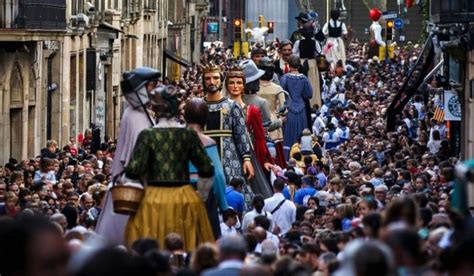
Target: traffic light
237,29
270,26
389,30
261,20
249,26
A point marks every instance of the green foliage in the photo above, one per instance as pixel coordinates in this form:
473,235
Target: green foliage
426,18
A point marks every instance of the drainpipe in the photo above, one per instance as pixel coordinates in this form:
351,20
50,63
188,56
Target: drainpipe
50,89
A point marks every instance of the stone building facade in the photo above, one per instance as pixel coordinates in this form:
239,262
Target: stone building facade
60,72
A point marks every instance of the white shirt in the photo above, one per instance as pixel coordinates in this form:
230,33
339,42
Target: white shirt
248,218
434,146
285,215
343,133
327,138
306,143
271,237
318,126
226,230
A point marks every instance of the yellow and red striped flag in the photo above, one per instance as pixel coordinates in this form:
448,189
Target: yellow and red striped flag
439,114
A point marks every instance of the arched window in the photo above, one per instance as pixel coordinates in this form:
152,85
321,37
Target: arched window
16,87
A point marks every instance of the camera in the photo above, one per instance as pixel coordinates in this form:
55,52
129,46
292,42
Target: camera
89,8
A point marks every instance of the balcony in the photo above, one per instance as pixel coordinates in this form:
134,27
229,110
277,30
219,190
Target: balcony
451,11
201,4
33,14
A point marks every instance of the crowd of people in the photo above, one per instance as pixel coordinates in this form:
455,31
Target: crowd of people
306,188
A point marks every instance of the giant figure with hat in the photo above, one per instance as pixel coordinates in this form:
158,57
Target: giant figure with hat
136,86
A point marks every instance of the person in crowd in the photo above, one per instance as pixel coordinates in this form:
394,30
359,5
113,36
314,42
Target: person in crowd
282,210
281,65
229,221
50,151
204,258
233,250
258,202
299,90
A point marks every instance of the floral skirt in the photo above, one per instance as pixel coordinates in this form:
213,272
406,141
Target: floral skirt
166,210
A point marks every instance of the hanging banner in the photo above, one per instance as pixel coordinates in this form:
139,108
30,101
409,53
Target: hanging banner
452,106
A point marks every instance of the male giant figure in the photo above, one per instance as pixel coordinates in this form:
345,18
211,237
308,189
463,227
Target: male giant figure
226,125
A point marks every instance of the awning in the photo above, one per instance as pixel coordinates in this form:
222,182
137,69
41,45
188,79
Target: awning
412,83
108,31
172,55
110,26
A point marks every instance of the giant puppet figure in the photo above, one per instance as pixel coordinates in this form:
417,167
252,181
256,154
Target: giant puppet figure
161,159
135,86
376,40
226,125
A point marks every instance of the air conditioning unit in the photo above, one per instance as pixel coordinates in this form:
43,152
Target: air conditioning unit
451,11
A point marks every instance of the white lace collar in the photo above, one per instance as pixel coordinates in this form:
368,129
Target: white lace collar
168,123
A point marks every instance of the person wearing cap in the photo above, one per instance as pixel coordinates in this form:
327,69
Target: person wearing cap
161,159
226,125
299,90
136,86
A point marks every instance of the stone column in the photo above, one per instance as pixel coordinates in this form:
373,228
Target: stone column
25,68
65,90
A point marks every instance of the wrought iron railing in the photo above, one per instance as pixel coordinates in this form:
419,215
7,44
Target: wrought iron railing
33,14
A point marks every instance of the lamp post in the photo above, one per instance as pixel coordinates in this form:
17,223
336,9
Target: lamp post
220,20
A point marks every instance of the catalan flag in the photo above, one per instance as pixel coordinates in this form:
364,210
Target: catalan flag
439,114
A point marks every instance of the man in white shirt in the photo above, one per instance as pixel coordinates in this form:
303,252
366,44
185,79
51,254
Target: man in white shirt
283,211
229,222
330,138
318,126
